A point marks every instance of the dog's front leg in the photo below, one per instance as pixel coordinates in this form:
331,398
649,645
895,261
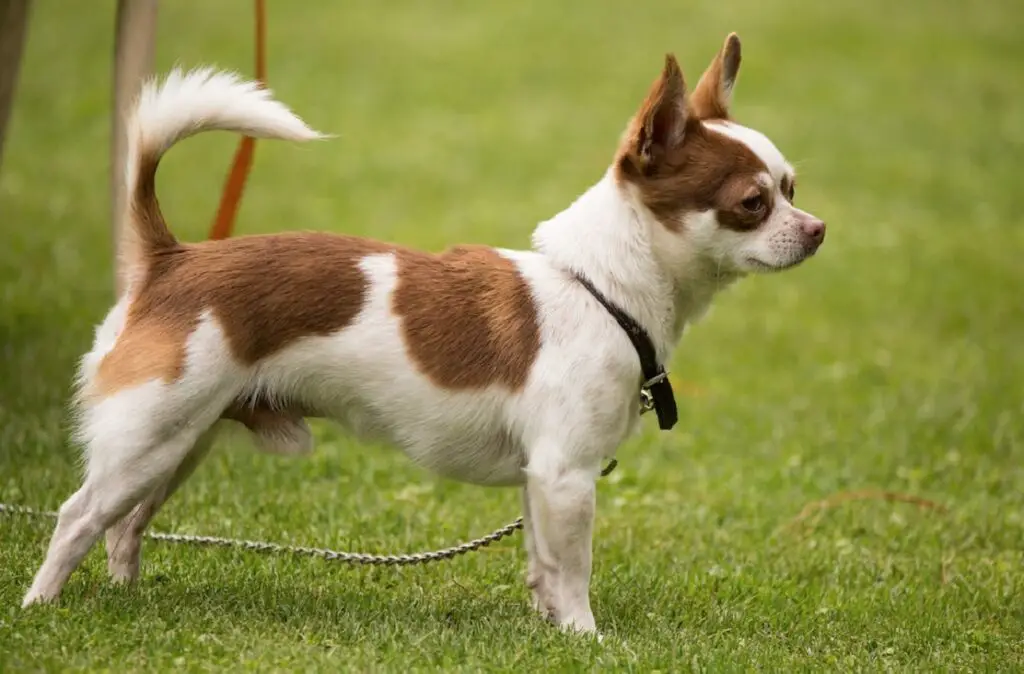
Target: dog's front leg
560,512
536,573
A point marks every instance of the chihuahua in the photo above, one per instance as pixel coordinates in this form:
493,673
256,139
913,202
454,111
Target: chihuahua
490,366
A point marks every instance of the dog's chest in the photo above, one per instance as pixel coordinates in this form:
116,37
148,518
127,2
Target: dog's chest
453,436
479,456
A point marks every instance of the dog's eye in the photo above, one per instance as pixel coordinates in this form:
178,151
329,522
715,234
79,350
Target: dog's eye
791,194
754,204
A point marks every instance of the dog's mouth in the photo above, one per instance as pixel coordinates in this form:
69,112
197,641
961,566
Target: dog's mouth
756,264
761,266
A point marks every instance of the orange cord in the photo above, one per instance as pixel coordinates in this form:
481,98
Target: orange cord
224,223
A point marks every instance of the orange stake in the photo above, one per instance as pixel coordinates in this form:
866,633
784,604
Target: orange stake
224,223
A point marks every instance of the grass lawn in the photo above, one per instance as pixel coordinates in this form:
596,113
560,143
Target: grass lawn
892,361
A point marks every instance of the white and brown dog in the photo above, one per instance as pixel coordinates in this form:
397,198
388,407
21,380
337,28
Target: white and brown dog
495,367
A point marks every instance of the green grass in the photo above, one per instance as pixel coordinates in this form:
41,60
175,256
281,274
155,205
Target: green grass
892,360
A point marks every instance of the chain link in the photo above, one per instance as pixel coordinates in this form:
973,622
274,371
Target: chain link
323,553
299,550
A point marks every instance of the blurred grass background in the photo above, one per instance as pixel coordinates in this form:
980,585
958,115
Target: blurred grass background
892,360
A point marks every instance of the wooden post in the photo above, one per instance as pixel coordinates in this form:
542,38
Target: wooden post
13,27
134,46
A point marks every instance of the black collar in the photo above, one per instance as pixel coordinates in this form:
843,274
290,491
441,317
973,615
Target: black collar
656,391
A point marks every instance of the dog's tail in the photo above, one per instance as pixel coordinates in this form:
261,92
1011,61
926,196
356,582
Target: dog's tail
165,113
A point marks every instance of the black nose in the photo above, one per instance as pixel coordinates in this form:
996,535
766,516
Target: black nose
815,230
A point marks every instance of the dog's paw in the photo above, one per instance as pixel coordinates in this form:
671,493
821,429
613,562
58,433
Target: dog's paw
35,596
583,625
540,598
123,572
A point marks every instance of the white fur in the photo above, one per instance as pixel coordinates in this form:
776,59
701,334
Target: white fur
205,99
759,143
781,241
579,402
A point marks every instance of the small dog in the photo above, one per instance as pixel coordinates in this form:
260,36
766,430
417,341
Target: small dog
495,367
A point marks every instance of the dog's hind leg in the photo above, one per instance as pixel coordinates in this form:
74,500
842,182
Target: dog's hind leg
275,431
124,539
112,487
136,440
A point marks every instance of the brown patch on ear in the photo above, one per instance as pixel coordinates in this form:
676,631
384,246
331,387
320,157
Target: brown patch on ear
713,92
659,125
468,317
264,291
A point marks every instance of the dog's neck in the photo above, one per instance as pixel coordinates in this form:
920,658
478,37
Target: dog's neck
608,236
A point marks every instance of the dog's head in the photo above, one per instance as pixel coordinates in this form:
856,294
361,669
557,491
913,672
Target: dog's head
719,191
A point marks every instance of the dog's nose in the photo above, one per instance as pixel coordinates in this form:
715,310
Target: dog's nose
815,230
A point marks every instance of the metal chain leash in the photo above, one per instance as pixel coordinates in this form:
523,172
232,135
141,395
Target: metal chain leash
299,550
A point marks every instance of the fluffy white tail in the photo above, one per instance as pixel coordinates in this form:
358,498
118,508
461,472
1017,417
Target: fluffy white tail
183,105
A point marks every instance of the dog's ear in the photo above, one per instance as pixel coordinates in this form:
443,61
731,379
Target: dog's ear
660,123
713,93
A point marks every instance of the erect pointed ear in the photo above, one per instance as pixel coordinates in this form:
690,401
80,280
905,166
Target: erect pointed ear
713,94
660,123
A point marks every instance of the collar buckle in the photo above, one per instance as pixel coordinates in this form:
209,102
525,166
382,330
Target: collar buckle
646,401
646,397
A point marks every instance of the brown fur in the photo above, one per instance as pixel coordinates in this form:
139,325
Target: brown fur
265,291
144,351
713,92
731,212
677,163
658,125
147,231
708,170
468,317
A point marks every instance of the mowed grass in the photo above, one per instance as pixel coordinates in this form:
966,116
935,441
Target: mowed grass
892,361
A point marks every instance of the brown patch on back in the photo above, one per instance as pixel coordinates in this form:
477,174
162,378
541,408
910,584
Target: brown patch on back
265,292
468,317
